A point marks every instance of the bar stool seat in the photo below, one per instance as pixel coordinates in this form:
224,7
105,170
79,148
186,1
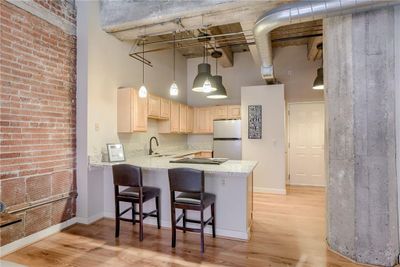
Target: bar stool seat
149,192
195,199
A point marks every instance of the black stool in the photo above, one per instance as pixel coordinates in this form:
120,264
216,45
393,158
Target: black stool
129,175
190,183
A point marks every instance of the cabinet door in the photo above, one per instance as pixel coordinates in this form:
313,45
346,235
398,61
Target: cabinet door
182,118
139,116
174,117
205,120
124,105
165,108
220,112
234,112
190,120
154,106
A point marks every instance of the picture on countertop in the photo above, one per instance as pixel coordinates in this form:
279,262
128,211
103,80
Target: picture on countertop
255,122
115,152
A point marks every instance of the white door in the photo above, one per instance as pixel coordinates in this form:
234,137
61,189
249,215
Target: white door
306,144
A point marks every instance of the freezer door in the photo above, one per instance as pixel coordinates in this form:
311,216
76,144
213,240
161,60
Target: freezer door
231,149
227,129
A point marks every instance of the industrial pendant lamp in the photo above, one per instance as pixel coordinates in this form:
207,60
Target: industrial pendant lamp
143,89
319,80
220,93
204,82
173,90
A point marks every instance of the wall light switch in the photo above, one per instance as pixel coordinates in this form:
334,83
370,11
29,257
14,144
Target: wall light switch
97,127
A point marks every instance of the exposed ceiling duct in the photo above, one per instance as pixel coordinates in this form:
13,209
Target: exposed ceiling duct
300,12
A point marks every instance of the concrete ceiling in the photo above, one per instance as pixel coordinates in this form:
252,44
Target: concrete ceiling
130,20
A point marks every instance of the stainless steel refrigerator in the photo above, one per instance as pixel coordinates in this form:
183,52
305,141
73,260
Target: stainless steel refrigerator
227,139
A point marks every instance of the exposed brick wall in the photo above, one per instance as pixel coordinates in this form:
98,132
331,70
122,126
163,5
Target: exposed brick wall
37,119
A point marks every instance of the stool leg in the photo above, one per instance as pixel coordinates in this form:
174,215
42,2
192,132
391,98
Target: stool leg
213,220
158,212
173,221
117,222
202,230
141,221
184,220
133,213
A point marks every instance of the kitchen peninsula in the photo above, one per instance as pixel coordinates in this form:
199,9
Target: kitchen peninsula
231,182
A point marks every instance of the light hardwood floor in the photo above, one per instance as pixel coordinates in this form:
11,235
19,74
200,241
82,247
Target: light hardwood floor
287,231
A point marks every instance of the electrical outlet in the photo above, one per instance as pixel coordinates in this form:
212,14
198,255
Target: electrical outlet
223,181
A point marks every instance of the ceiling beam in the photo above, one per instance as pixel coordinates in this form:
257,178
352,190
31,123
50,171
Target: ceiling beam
313,52
165,23
226,60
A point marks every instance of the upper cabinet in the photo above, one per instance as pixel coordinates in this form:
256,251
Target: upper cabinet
165,108
220,112
131,111
175,117
234,112
189,119
203,120
154,106
182,118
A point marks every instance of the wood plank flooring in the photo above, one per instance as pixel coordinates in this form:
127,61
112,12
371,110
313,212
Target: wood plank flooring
287,231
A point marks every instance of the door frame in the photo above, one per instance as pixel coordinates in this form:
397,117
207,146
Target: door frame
288,134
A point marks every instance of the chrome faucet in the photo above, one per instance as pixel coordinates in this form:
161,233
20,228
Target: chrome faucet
151,149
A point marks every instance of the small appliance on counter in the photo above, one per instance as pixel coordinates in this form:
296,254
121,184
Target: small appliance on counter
227,139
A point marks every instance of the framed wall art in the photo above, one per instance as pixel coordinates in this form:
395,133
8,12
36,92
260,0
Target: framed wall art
255,122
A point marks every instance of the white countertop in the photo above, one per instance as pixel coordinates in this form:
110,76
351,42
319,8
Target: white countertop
154,162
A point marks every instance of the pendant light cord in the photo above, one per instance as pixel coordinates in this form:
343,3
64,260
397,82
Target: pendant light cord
174,53
143,62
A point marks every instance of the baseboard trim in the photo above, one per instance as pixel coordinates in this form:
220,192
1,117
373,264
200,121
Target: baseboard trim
269,190
30,239
90,220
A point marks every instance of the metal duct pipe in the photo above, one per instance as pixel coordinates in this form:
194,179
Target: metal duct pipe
301,12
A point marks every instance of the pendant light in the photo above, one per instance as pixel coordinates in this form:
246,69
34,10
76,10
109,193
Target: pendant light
143,89
204,81
319,80
173,89
220,93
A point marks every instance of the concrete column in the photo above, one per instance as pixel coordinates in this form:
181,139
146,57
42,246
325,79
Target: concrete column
359,54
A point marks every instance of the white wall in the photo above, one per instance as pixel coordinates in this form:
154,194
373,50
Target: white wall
292,68
110,67
269,175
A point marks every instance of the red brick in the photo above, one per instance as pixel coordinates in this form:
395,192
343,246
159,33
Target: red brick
38,187
13,191
37,219
37,116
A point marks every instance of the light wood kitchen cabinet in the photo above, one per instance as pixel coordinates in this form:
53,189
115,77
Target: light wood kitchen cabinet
234,111
154,106
165,108
220,112
182,118
203,120
131,111
171,125
189,119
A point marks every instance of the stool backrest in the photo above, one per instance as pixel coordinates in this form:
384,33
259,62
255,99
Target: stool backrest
186,180
127,175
